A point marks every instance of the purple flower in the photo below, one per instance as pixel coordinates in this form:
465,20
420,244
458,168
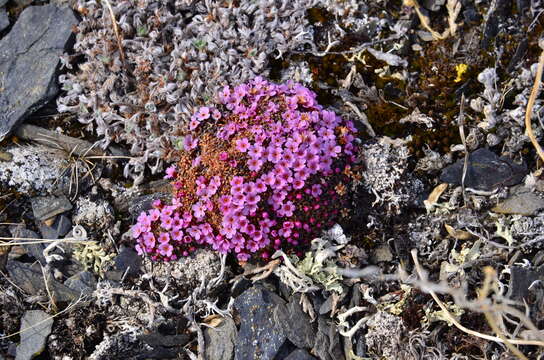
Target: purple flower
242,145
189,143
203,113
166,249
164,237
254,164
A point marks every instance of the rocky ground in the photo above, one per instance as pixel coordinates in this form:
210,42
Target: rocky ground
440,258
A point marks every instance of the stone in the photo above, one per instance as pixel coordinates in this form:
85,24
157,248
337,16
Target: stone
31,280
161,340
93,214
143,203
382,254
258,337
433,5
485,171
4,19
522,202
128,261
3,3
520,280
35,169
35,250
83,282
300,354
29,56
45,207
62,225
220,340
294,323
327,341
47,232
36,326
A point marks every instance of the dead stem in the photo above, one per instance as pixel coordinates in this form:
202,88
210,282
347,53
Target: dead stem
530,104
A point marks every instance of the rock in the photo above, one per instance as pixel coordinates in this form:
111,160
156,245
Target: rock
384,337
128,261
39,326
35,169
258,337
36,250
4,19
485,171
47,231
143,202
300,331
45,207
382,254
522,202
29,55
91,214
300,354
220,340
520,280
161,340
31,280
62,225
433,5
327,342
3,3
83,282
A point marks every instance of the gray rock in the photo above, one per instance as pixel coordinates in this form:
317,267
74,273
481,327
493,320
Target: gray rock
47,232
143,202
83,282
129,260
382,254
62,225
39,326
4,19
300,354
45,207
31,280
485,171
433,5
258,337
29,55
522,202
220,340
3,3
160,340
36,250
520,280
327,342
300,332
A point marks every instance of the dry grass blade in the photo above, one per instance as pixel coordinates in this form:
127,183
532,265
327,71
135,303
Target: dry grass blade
456,323
116,31
531,103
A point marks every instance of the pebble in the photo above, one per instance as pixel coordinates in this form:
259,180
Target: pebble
38,325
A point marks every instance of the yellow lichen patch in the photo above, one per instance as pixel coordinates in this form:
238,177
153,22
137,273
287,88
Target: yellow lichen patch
461,69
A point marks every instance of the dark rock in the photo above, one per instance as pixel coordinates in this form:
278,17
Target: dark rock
83,282
433,5
128,261
220,340
300,354
522,202
38,326
32,281
327,343
258,337
45,207
471,15
3,3
520,52
143,203
158,340
300,331
157,353
4,19
29,56
47,231
520,280
485,171
62,225
35,250
240,286
490,31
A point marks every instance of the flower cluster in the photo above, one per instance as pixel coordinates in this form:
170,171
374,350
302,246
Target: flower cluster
258,172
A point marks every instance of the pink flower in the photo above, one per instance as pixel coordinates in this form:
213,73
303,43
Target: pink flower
149,240
136,231
223,156
166,249
164,237
193,124
242,145
166,222
189,143
198,210
254,164
236,180
154,215
177,235
203,113
170,172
